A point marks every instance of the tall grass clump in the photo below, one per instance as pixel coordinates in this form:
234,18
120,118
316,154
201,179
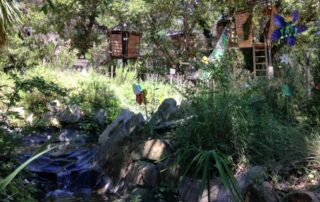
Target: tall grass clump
93,93
213,137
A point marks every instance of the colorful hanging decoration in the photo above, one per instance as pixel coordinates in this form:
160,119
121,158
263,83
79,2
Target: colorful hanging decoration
286,59
288,28
222,45
141,95
216,56
287,90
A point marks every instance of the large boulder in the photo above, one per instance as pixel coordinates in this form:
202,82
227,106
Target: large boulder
101,116
121,127
73,135
144,174
167,111
262,192
301,196
55,106
72,114
152,150
189,189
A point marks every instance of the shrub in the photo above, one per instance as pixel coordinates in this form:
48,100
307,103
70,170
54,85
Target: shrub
92,94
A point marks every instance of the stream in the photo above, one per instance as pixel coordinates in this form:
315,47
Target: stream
68,173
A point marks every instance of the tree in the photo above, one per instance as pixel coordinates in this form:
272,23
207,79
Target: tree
9,16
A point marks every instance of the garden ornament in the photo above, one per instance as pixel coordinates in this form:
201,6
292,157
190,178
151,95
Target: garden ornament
205,60
285,59
287,90
287,28
141,95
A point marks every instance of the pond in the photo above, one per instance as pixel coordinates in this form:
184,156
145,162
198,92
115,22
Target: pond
68,173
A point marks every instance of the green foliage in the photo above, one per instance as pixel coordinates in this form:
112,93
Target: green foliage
37,87
201,165
4,182
217,128
92,94
9,17
158,90
34,93
16,190
249,125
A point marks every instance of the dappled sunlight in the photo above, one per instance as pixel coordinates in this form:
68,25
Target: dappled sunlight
160,101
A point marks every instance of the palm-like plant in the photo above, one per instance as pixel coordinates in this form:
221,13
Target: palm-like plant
9,16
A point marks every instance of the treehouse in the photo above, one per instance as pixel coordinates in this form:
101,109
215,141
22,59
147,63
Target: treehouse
124,42
181,39
256,36
247,31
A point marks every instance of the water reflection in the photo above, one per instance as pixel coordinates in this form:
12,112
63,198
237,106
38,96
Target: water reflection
66,174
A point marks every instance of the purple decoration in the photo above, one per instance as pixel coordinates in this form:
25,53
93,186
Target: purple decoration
291,40
287,30
276,35
301,28
279,21
295,16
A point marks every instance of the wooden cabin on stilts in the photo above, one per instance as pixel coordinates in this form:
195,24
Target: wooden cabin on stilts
248,32
261,43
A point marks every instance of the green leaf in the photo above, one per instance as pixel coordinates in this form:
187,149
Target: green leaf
4,183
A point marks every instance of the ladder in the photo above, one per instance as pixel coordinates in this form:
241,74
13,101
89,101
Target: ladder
260,59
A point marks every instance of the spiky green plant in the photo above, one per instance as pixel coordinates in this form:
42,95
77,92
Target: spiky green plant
203,162
4,182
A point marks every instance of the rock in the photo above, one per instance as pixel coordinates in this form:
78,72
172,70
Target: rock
167,125
143,174
72,135
262,193
255,174
153,150
167,111
30,119
301,196
72,114
54,106
19,111
141,194
121,127
100,116
189,189
169,171
50,117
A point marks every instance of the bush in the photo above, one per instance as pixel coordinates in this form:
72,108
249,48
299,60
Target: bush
92,94
249,126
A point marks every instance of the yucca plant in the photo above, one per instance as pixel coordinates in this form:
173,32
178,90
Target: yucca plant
214,138
202,165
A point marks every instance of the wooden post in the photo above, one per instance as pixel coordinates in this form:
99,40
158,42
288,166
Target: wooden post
308,82
112,72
